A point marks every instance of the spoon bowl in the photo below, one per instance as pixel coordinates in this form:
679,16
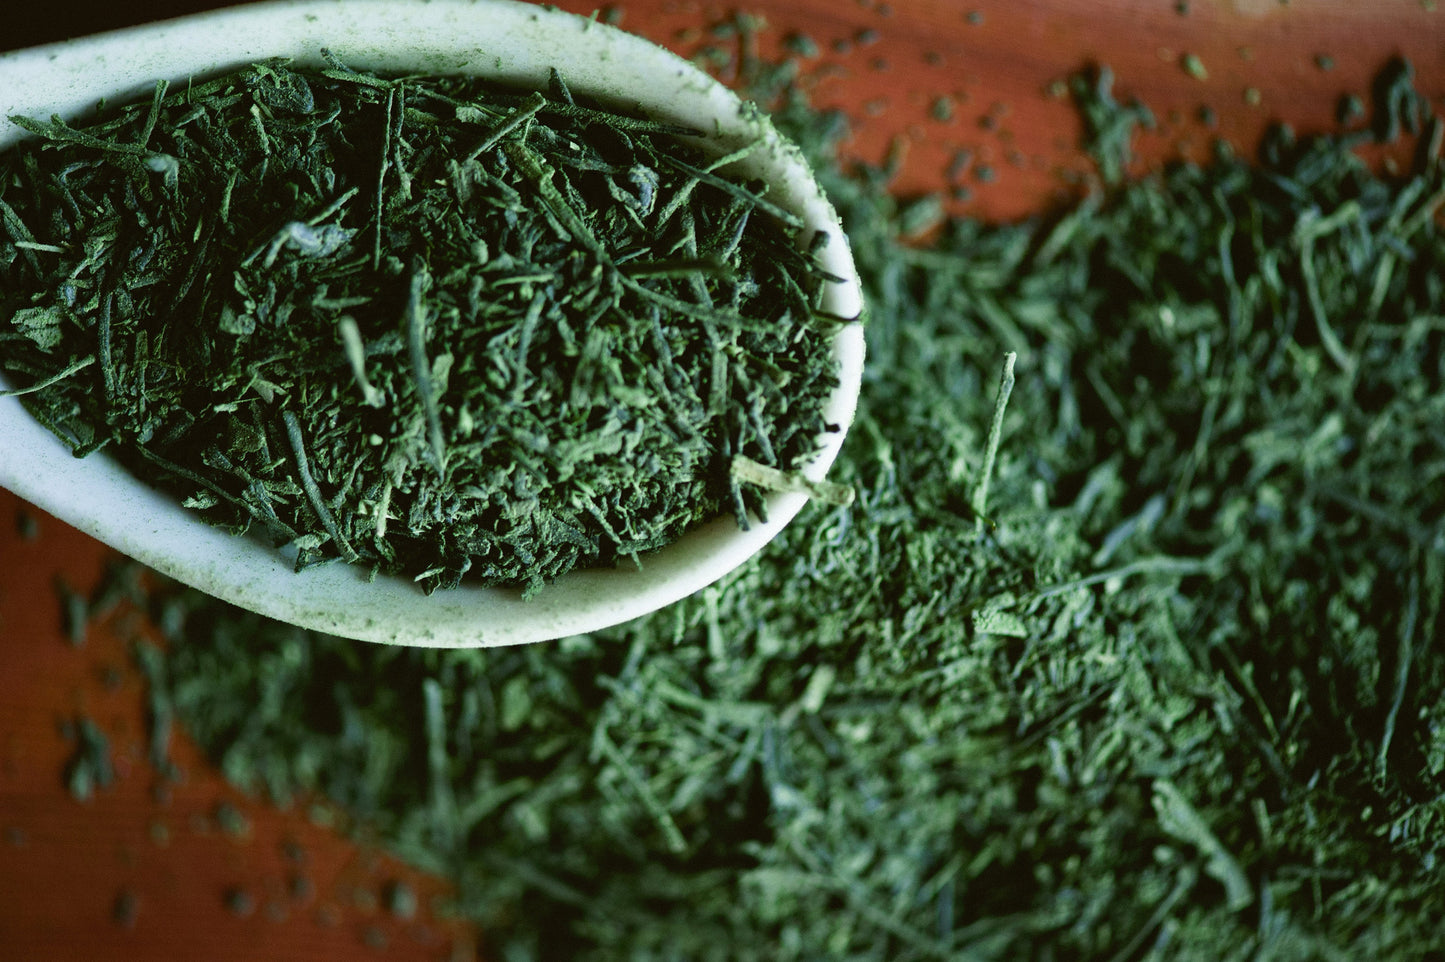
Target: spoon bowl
507,41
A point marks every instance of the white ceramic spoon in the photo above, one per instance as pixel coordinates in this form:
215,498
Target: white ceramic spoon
509,41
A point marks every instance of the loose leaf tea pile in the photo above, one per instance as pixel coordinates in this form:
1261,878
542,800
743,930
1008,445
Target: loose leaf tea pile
1174,690
422,324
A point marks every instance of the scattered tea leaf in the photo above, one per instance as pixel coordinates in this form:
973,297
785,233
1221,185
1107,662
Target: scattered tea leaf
1181,696
90,768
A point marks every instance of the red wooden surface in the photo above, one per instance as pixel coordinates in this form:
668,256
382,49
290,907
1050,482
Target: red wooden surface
64,863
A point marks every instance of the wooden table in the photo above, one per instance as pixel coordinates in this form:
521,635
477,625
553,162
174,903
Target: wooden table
140,873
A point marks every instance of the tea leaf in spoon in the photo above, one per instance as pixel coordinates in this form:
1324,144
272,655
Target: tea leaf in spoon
433,327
